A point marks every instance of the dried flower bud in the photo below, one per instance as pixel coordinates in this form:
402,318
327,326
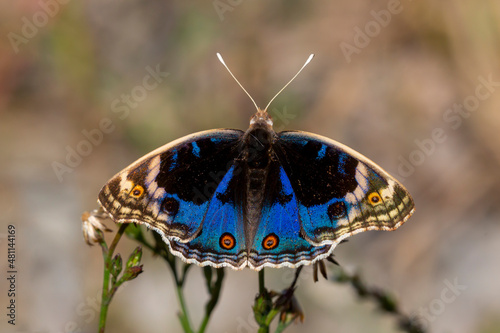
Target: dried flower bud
93,227
289,306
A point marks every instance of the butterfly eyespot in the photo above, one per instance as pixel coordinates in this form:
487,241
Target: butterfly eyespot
170,206
337,210
137,191
227,241
270,242
374,198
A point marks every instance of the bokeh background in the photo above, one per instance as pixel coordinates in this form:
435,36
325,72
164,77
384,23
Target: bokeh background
382,84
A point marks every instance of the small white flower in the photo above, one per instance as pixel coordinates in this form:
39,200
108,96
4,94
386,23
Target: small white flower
93,227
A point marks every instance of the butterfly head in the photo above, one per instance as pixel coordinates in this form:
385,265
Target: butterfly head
261,119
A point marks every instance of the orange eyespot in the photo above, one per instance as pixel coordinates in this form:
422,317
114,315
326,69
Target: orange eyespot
227,241
137,191
374,198
270,242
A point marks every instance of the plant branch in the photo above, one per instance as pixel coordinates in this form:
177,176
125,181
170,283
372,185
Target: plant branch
385,301
214,289
107,294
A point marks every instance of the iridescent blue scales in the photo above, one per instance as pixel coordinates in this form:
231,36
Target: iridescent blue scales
256,198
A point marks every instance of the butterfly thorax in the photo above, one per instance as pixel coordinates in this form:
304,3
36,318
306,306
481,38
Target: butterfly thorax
258,141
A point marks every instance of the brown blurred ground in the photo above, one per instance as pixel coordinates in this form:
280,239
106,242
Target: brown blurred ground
394,92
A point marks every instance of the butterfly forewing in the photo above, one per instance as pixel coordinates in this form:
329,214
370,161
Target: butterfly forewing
339,191
170,189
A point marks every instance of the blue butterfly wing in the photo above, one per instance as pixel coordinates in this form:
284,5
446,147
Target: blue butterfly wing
323,192
172,188
220,241
278,240
340,192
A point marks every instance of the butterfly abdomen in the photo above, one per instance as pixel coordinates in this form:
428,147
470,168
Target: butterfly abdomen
257,151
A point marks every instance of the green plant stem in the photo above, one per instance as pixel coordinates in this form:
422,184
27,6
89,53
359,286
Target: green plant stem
214,289
107,294
265,309
160,249
183,315
214,298
179,284
263,329
262,287
270,317
204,323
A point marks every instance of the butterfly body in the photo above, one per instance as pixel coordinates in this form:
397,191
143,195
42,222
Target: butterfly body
256,198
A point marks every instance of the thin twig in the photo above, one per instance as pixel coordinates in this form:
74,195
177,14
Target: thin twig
214,291
386,302
107,295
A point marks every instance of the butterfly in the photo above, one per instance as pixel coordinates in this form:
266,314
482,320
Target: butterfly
256,198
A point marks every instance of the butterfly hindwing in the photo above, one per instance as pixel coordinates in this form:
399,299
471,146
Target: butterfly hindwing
220,241
171,188
339,191
278,240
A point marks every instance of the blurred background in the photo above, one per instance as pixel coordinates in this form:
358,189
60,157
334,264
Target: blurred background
413,85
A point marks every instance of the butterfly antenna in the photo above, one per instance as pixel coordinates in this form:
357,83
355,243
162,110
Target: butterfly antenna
235,79
300,70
